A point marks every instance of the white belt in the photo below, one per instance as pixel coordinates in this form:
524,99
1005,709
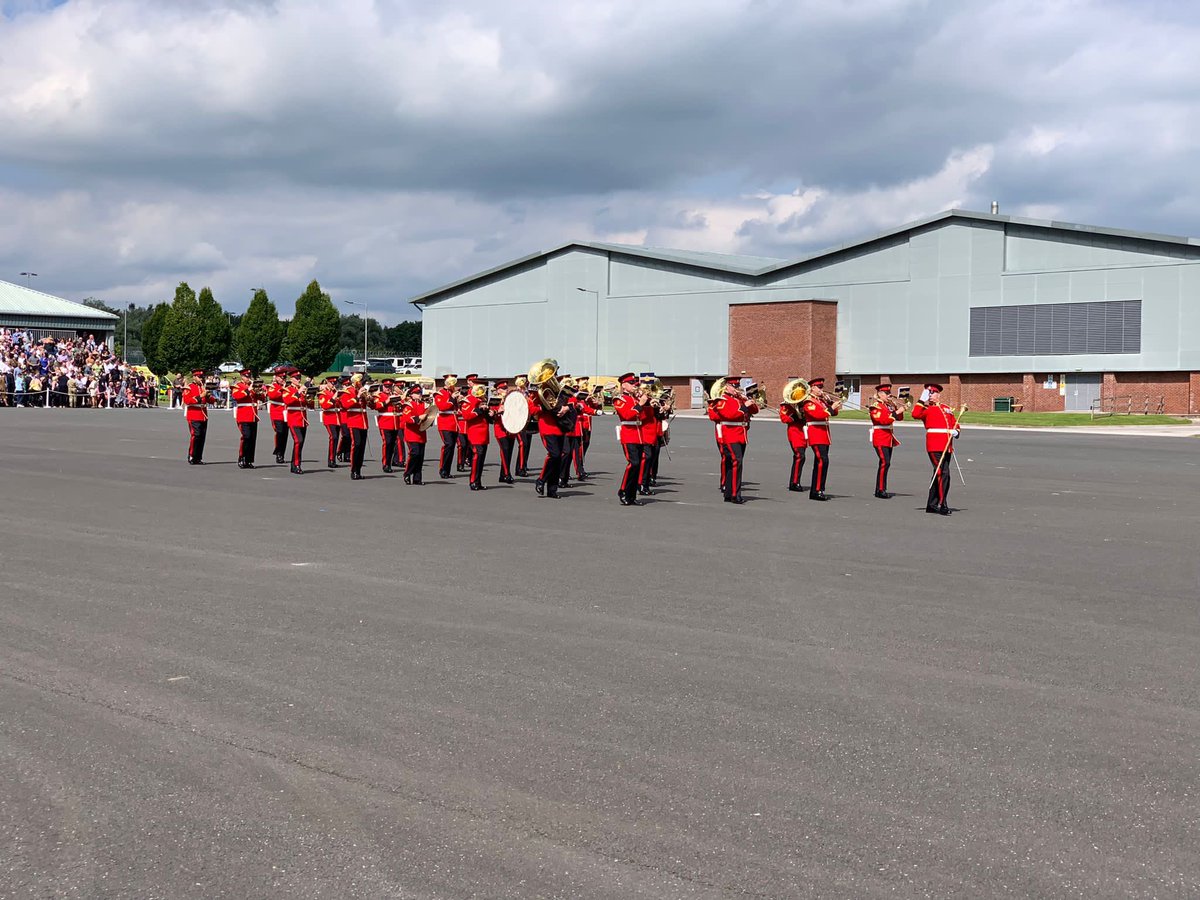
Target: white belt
276,403
939,431
882,427
392,414
631,424
241,405
817,425
195,405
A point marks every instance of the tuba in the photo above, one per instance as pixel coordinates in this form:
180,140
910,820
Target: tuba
795,392
544,383
717,391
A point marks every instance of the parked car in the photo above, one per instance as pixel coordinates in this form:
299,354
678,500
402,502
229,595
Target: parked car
229,368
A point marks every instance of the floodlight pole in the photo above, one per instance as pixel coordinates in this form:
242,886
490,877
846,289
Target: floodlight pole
364,308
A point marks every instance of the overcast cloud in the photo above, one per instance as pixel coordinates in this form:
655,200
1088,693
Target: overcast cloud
386,148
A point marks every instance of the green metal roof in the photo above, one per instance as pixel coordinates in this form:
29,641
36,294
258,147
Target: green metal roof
16,300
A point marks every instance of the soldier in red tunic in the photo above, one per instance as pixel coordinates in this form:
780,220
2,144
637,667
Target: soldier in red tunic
446,400
711,412
245,413
354,402
817,409
792,416
941,429
195,405
477,416
733,411
629,406
331,418
505,441
525,438
414,437
295,398
277,412
389,455
885,412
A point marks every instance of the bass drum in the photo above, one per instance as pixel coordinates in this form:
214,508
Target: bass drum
514,414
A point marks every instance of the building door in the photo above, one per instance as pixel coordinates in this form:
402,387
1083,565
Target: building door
1082,390
852,384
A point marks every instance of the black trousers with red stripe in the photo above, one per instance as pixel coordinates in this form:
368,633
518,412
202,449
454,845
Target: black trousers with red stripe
334,430
797,467
464,450
820,471
449,442
281,437
885,463
478,458
731,470
939,490
390,456
197,432
650,469
343,450
721,465
247,442
524,445
552,467
635,464
506,445
416,459
358,449
298,433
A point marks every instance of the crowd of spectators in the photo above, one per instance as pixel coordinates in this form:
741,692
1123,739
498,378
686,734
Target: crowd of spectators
74,373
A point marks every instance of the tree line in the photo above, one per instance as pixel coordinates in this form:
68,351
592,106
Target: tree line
194,332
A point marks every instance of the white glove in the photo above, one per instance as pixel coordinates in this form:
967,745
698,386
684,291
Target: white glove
956,434
925,395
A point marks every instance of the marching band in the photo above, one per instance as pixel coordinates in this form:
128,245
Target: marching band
560,410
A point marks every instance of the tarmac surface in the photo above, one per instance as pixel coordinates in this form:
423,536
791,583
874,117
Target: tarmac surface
227,683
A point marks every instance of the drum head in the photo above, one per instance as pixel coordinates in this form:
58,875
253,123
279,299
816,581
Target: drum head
515,412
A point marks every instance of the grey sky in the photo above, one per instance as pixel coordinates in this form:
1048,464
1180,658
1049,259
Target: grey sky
385,148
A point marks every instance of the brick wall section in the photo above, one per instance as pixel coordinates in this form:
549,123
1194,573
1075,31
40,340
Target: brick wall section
1175,388
683,391
1194,393
978,390
772,341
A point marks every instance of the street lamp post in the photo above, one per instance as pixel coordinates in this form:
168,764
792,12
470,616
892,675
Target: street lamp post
29,276
596,335
364,309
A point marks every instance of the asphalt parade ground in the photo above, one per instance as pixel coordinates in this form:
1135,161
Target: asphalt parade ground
228,683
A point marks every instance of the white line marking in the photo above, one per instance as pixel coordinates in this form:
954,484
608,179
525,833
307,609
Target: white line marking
178,677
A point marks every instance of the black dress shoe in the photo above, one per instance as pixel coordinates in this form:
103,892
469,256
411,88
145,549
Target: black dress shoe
279,459
249,465
817,495
944,510
355,476
387,469
550,496
883,495
931,509
645,491
297,471
540,487
795,487
241,465
198,462
473,487
408,479
737,500
481,487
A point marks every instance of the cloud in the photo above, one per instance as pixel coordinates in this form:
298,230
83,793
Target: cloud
386,147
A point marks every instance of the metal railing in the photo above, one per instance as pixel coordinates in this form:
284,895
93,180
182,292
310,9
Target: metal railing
1129,406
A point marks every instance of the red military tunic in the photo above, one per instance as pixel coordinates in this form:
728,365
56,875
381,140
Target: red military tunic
629,428
940,423
498,428
547,423
353,413
795,426
245,407
881,426
447,419
194,406
411,415
389,412
276,408
475,420
331,411
651,428
816,415
577,430
296,399
733,419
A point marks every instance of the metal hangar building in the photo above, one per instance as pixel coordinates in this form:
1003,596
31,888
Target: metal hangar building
44,315
1050,314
